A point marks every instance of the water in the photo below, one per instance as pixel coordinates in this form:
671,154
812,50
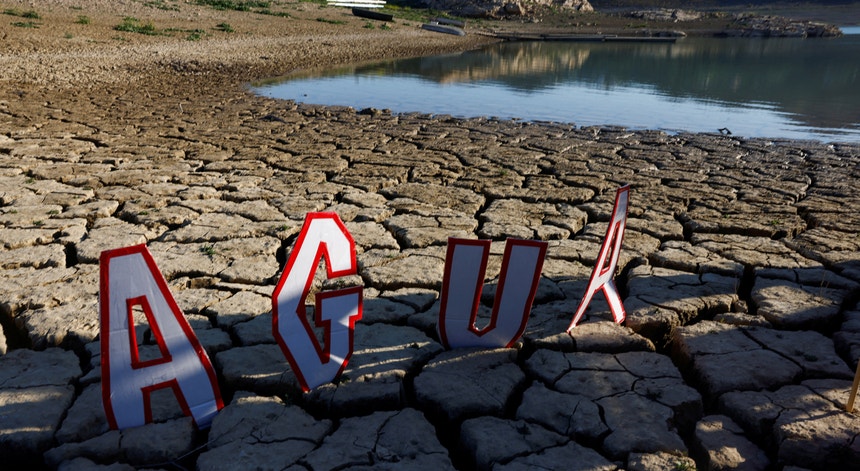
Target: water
770,88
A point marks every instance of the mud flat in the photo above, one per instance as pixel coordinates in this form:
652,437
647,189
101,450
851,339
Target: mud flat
739,271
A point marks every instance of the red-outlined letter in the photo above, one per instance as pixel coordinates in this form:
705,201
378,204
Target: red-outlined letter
465,266
323,235
129,280
604,267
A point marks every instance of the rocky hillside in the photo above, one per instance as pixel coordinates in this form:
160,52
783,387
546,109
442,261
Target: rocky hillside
600,4
497,9
840,12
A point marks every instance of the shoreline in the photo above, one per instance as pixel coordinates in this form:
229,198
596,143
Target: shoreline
96,55
65,33
739,273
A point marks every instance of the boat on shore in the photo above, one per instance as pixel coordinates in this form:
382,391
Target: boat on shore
442,28
372,15
448,21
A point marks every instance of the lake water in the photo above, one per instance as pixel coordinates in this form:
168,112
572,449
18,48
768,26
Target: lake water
770,88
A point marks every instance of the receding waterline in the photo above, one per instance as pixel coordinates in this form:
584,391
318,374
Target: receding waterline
774,88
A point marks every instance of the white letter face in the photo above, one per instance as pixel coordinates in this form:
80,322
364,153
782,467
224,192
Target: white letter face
323,235
130,280
465,265
604,268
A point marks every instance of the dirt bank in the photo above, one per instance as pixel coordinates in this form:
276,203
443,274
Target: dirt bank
57,44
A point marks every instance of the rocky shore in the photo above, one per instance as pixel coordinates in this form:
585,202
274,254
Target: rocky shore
742,25
739,271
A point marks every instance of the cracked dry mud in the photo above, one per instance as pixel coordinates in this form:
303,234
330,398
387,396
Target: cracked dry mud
739,270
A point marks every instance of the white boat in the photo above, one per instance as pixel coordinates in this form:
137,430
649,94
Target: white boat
443,29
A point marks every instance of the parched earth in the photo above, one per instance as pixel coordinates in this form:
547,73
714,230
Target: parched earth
739,270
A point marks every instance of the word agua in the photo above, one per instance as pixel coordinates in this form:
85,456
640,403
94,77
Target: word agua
130,280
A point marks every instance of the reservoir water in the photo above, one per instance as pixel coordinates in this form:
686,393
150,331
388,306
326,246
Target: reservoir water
770,88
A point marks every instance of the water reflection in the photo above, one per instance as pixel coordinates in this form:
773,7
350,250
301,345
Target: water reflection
779,88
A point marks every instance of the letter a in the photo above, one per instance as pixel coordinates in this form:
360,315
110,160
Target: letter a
607,261
323,235
465,265
130,280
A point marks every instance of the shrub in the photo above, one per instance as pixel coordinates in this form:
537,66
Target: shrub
133,25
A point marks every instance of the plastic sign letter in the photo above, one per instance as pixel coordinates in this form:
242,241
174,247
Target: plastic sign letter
323,235
465,265
604,267
131,282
